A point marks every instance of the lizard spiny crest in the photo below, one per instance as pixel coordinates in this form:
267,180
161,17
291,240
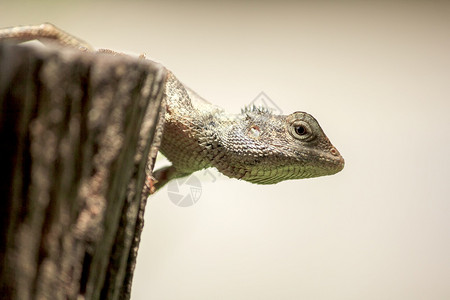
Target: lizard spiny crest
256,109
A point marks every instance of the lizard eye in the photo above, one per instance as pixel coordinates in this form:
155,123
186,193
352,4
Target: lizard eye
301,130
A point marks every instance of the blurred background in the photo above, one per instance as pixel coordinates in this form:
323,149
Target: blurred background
374,74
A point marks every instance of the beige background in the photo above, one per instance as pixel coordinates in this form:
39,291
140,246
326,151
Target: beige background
376,76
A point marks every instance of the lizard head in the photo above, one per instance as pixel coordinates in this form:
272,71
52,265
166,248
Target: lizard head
272,148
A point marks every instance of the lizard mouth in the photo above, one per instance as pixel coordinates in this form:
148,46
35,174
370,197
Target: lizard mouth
338,164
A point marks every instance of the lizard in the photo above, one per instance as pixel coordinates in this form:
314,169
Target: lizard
254,145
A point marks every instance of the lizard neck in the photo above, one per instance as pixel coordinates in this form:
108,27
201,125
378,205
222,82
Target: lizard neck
190,128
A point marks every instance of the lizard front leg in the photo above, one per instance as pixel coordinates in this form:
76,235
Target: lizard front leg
163,175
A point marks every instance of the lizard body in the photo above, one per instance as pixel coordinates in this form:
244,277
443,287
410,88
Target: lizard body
255,145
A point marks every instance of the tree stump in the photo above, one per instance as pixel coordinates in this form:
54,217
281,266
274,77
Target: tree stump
80,133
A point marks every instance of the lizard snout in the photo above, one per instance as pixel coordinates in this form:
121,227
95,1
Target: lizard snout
340,162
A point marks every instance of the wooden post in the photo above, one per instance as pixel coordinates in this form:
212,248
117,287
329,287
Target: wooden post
78,134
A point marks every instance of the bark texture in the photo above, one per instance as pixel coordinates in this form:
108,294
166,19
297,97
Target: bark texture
79,135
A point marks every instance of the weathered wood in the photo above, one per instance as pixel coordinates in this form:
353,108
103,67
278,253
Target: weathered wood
76,131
